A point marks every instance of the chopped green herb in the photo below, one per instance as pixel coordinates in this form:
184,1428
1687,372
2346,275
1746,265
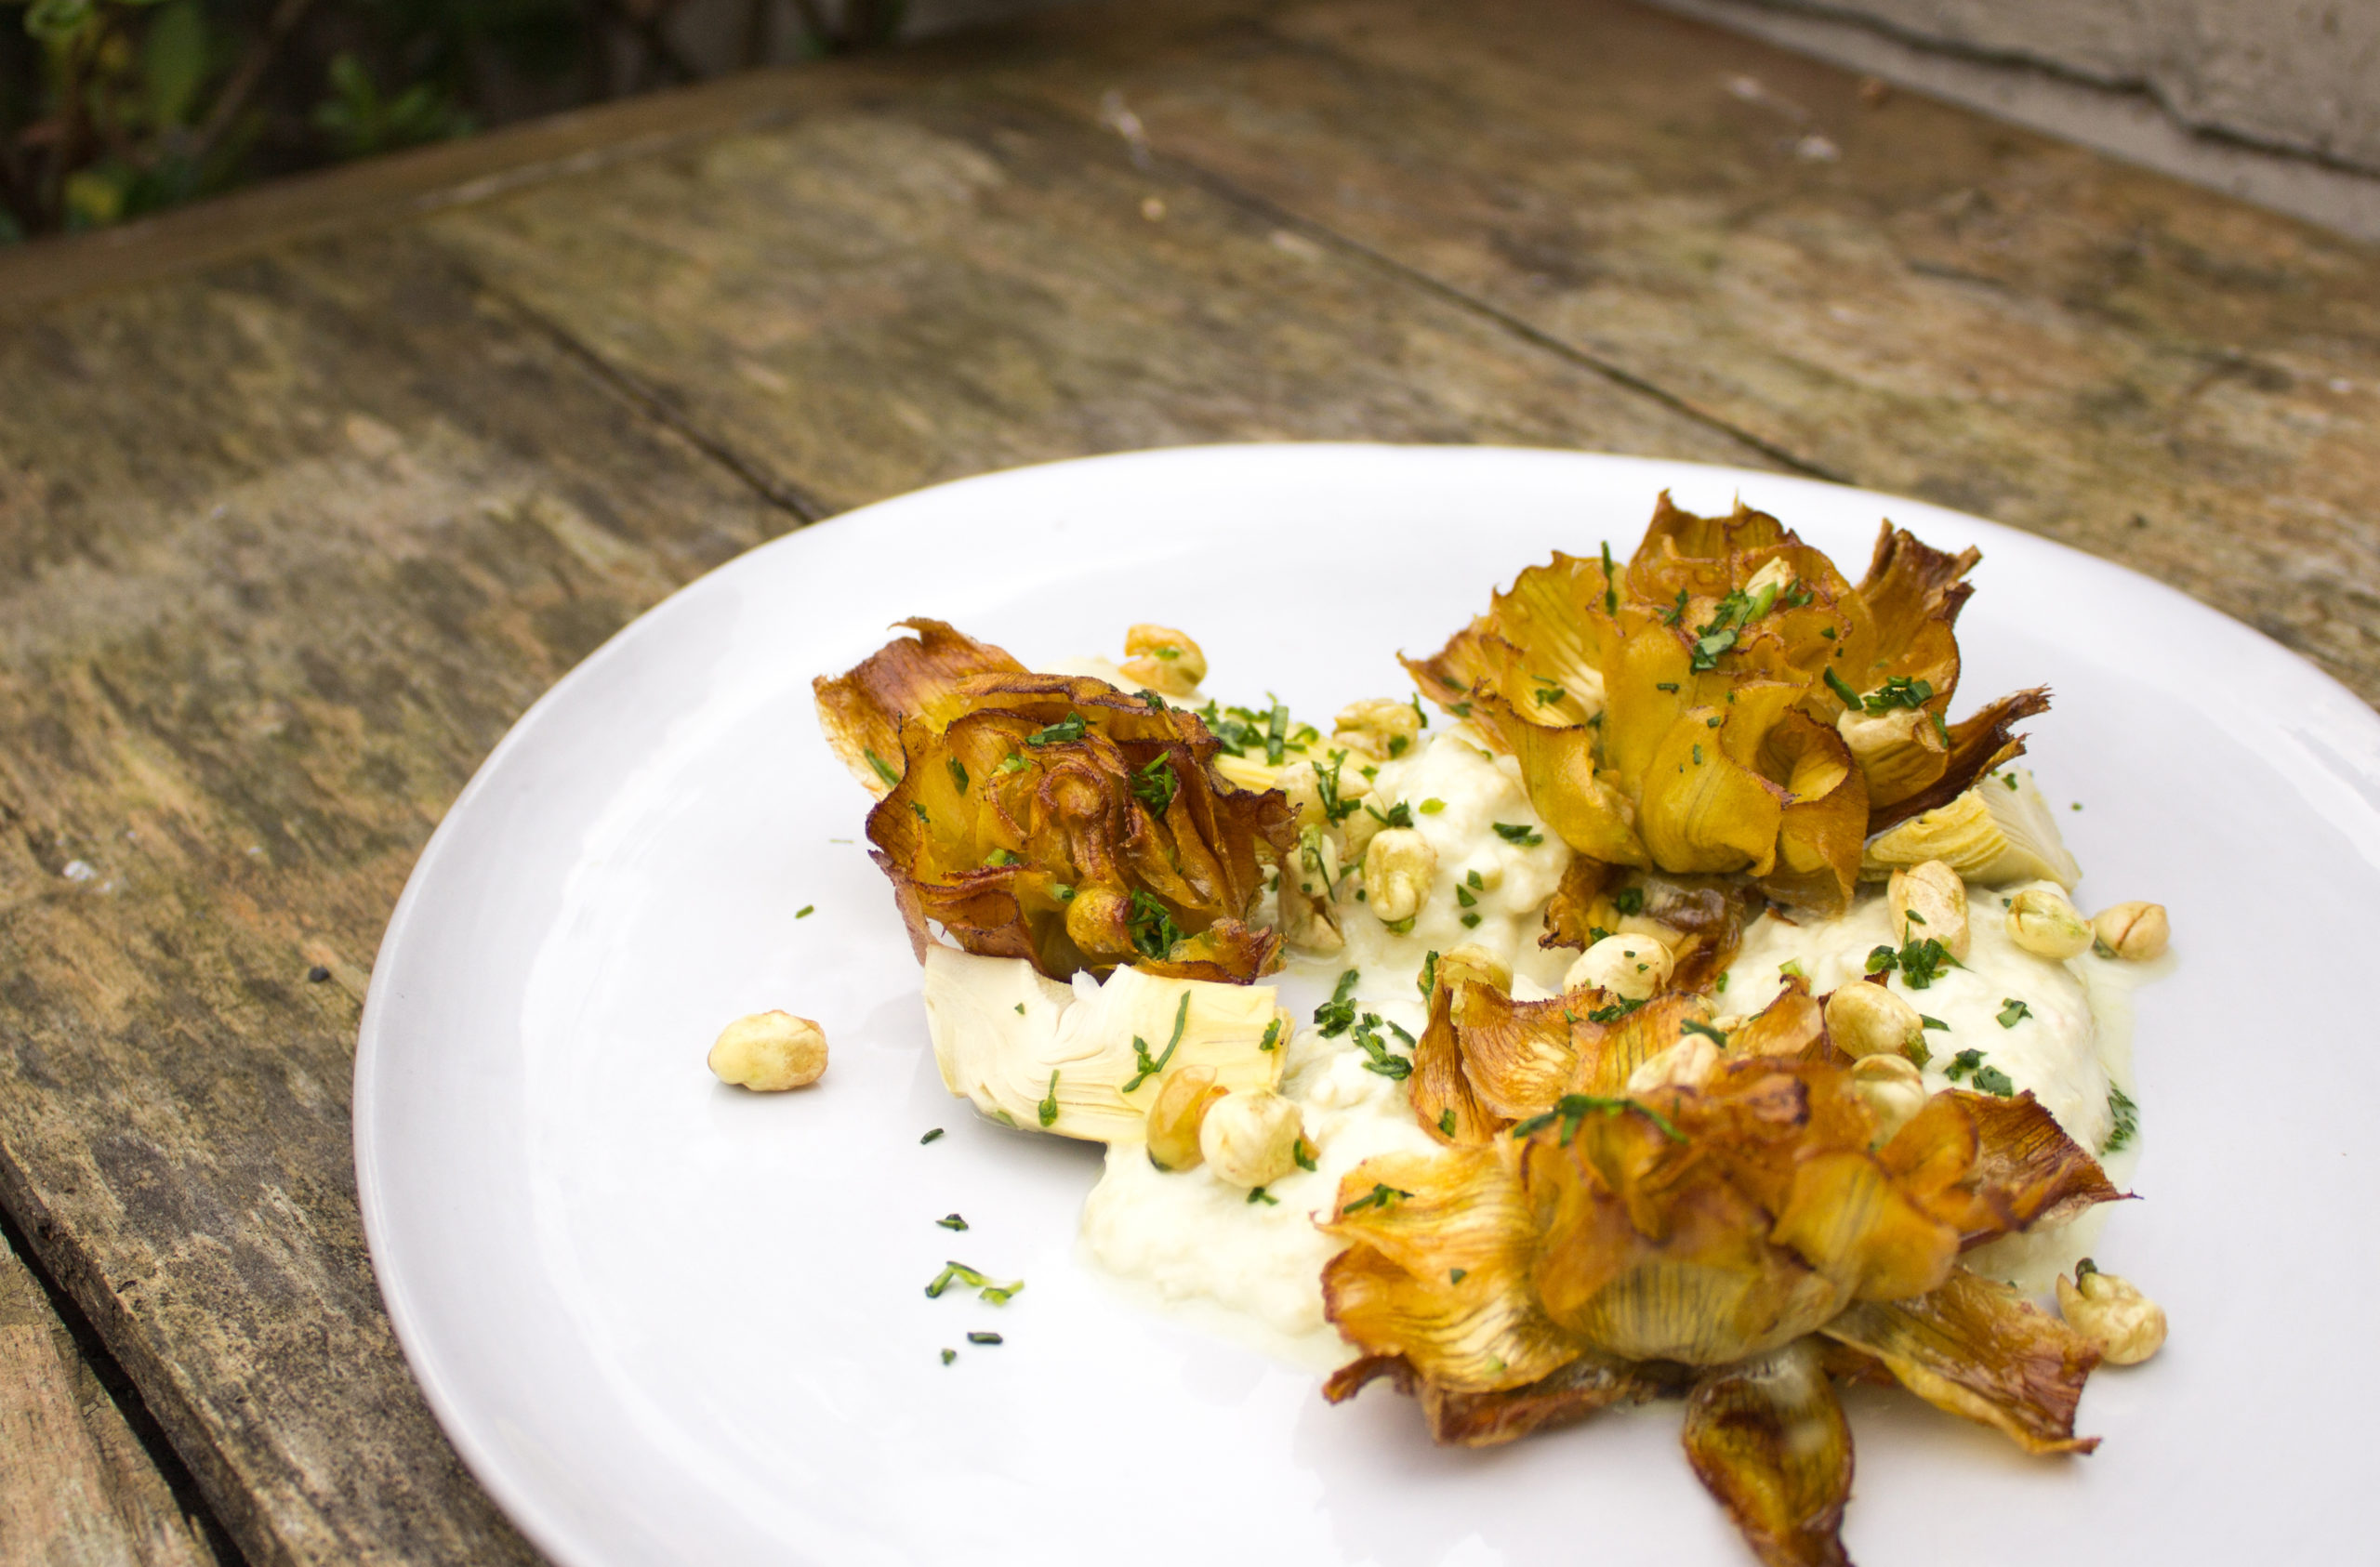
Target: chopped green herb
951,1221
1272,1036
883,768
1155,785
1399,815
1456,1275
1068,728
1991,1080
983,1339
1419,717
1610,583
1432,806
1629,900
1547,695
1962,1064
1665,685
1378,1197
1613,1013
1337,1015
1932,1022
1000,858
1698,755
1471,920
1792,968
1302,1155
1719,987
1151,926
1827,632
1677,612
1048,1108
1842,688
930,1137
1898,692
1716,1035
1474,880
2124,1117
1464,898
1013,762
1020,1009
1913,917
1062,892
1145,1067
922,814
1378,1056
1921,963
1519,832
1258,1195
959,1272
1151,698
1276,732
1572,1109
805,911
2009,779
1427,980
959,773
1710,723
949,1355
2013,1011
1460,710
1446,1123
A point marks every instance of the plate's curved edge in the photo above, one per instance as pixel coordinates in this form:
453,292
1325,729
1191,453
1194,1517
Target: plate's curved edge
517,1500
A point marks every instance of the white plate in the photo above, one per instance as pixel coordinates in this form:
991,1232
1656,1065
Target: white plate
665,1321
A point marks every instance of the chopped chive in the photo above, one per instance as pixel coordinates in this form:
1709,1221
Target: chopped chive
1610,584
1694,1025
2013,1011
1302,1155
883,768
959,773
1933,1023
1258,1195
1841,688
1446,1121
930,1137
1070,727
949,1355
805,911
951,1221
983,1339
1048,1108
1379,1196
1456,1275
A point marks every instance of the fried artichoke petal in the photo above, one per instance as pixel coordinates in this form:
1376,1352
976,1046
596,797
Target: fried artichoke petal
1729,703
861,710
1435,1270
1977,1350
1056,818
1767,1438
1458,1418
1990,1167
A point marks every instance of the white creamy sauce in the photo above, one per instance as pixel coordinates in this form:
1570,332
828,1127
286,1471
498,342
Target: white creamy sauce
1190,1241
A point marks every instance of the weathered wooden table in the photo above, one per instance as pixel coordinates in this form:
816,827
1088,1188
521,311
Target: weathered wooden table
306,494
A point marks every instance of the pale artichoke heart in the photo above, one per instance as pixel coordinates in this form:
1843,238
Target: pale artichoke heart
1020,1046
1999,832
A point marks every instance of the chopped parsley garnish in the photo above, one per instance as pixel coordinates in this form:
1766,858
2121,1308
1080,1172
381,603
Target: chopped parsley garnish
1475,880
1150,697
959,773
1932,1022
1610,583
1665,685
930,1137
1519,832
1378,1056
1337,1015
1302,1155
983,1339
1719,987
1471,920
1145,1067
1716,1035
1629,900
2124,1118
1272,1036
922,814
1463,897
1048,1108
1547,695
1070,727
1921,963
1399,815
1991,1080
883,768
999,858
1427,980
1013,762
1421,718
1456,1275
1155,785
1698,755
1151,926
1898,692
1379,1196
1446,1121
959,1272
2013,1011
1962,1064
805,911
1572,1111
1258,1195
1020,1009
951,1221
1334,805
1276,732
949,1355
1842,688
1613,1013
1432,806
1673,615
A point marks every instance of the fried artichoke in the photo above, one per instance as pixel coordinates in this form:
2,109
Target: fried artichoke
1728,702
1054,818
1735,1237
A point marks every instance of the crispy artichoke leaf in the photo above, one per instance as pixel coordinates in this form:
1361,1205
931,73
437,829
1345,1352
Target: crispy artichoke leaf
1441,1091
1978,744
1435,1270
1057,819
910,676
1977,1350
1491,1419
1989,1166
1767,1438
1516,1055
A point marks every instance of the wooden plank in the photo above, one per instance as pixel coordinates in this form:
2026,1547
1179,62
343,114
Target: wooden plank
920,285
284,548
1908,296
76,1488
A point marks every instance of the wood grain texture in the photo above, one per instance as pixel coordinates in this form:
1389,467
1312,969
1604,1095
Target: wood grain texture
284,550
1910,297
76,1488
